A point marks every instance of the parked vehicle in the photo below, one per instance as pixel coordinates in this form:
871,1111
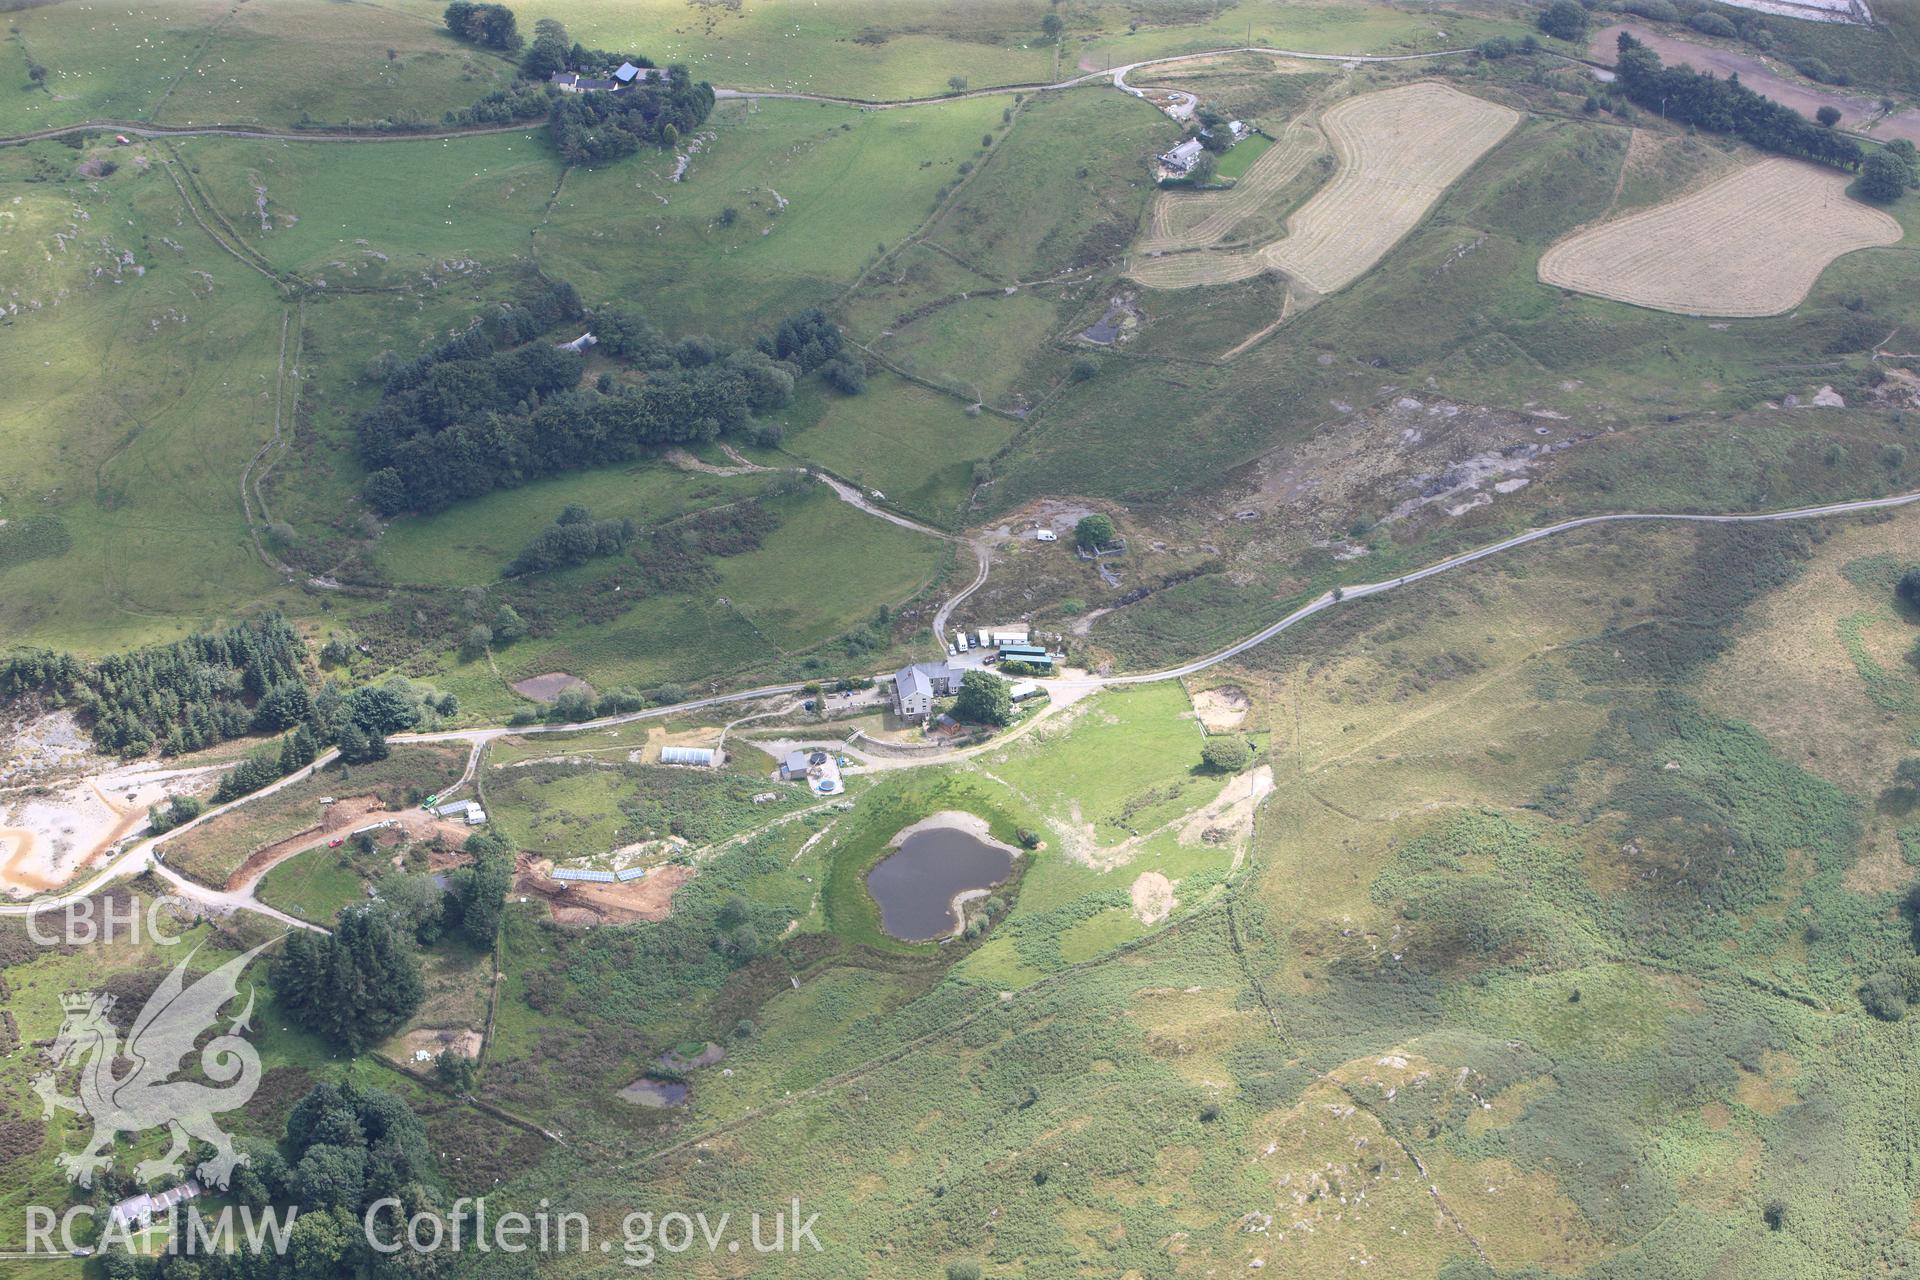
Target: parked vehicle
1046,535
336,842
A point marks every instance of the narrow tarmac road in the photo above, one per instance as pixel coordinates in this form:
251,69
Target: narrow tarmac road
144,854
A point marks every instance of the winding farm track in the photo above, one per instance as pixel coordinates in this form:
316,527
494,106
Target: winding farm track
142,856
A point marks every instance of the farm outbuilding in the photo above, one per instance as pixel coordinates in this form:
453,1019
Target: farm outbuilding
817,768
467,811
1003,636
574,82
140,1210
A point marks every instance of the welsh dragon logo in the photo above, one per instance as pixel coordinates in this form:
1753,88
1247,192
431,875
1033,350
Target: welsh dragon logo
145,1096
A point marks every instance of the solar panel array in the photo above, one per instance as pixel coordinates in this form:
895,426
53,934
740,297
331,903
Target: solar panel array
590,877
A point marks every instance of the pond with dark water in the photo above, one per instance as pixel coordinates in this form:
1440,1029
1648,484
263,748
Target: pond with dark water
916,885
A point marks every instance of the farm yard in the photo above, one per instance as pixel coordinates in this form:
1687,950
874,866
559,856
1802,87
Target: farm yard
1750,244
1396,151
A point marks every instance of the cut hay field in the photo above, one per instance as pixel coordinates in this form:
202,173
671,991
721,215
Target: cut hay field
1751,244
1194,220
1398,150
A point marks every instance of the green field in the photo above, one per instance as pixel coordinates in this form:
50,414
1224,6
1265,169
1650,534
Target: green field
982,349
914,445
789,171
314,885
748,620
628,233
765,44
976,304
473,198
568,808
848,561
1065,187
471,543
1241,156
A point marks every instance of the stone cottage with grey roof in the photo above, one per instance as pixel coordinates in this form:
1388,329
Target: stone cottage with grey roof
915,687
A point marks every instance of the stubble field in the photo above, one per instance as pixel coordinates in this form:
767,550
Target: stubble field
1193,221
1751,244
1398,150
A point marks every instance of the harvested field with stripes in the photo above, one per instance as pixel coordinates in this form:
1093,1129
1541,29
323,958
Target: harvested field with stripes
1751,244
1397,151
1194,220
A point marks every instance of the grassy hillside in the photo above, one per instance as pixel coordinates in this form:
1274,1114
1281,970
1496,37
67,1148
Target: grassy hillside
198,62
1569,933
1555,922
142,367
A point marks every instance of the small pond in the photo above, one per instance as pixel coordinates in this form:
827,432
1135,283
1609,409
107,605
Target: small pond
648,1092
549,686
935,865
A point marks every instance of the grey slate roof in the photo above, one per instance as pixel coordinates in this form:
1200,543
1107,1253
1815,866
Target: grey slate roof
1185,154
